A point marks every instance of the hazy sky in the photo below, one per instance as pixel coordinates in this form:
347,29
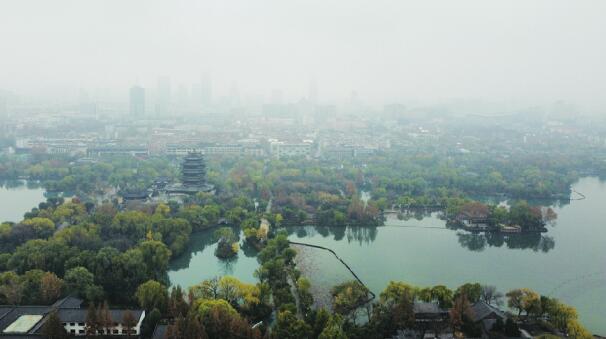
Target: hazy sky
385,50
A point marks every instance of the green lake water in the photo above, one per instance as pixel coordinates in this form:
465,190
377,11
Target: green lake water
16,198
568,262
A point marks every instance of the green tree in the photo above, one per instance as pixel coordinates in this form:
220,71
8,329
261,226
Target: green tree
42,227
11,287
333,329
348,297
442,295
289,327
152,295
227,245
523,299
473,292
155,256
81,282
53,328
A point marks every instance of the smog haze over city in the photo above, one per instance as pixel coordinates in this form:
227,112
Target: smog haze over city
508,53
275,169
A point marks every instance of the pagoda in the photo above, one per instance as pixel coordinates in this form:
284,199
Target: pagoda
193,171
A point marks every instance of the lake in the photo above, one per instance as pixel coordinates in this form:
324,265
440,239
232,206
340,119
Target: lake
200,262
568,262
18,197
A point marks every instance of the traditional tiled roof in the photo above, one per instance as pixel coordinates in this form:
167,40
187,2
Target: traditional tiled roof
481,310
78,315
428,308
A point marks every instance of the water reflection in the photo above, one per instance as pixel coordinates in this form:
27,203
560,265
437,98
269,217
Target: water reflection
477,242
415,213
197,243
358,234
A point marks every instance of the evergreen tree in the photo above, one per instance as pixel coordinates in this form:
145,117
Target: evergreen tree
53,328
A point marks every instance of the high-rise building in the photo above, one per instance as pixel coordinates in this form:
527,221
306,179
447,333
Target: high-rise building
163,97
137,101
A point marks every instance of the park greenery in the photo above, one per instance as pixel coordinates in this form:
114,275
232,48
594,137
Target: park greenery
104,251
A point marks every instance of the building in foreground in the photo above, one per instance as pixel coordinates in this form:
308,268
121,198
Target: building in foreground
28,321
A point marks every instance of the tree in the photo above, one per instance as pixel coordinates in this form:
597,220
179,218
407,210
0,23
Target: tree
278,219
128,322
348,297
151,295
472,291
162,209
528,217
176,303
42,227
204,307
31,281
194,328
155,256
221,320
459,311
491,296
561,315
50,287
53,328
92,321
104,318
523,299
319,321
439,294
79,280
577,331
11,287
395,290
289,327
227,243
333,329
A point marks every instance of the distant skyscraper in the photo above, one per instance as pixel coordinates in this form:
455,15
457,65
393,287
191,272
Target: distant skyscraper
201,94
137,101
163,97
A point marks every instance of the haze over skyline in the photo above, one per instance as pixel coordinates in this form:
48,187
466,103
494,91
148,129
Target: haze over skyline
387,51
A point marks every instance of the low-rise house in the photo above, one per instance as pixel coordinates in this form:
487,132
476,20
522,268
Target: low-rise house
430,314
486,314
28,321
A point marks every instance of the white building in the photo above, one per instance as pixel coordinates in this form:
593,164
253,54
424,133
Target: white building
280,149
